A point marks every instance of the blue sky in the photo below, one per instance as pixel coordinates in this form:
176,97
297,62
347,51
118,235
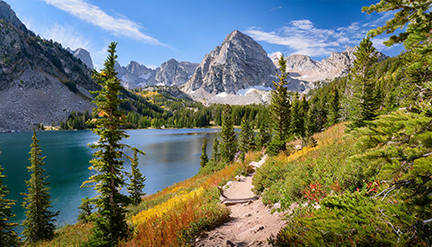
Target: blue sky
154,31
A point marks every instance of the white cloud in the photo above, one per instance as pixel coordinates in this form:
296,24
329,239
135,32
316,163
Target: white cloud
99,56
378,43
273,9
303,24
119,26
302,37
66,35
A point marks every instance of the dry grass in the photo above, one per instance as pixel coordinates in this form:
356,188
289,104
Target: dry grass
70,235
178,213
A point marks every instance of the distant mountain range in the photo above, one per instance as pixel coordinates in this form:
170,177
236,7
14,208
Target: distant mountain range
170,73
41,82
306,69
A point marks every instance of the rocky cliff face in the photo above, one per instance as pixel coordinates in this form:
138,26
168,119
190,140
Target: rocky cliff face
8,16
173,73
307,70
238,63
84,56
135,75
40,82
170,73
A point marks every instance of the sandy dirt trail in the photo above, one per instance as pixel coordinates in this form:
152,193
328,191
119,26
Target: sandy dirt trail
251,222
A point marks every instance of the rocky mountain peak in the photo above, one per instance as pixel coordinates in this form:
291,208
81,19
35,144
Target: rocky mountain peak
173,73
238,63
236,35
275,57
306,69
301,63
136,68
84,56
9,16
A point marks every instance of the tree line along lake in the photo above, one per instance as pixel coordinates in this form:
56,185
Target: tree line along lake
172,155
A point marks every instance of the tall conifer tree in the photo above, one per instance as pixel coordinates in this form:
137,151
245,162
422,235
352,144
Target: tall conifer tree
228,141
39,222
204,157
280,105
85,210
297,127
245,138
263,136
364,103
136,184
215,151
111,225
8,236
334,107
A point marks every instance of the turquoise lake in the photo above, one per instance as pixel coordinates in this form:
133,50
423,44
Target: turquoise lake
172,155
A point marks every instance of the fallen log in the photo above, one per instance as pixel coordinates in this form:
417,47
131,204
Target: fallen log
230,201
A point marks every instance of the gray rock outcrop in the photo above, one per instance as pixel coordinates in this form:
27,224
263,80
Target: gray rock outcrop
238,63
173,73
170,73
84,56
305,69
40,82
135,75
9,16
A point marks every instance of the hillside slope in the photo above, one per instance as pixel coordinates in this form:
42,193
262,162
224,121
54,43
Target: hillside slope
40,82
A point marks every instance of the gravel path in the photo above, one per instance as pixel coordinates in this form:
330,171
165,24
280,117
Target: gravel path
251,223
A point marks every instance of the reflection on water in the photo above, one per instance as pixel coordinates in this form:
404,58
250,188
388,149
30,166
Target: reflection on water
172,155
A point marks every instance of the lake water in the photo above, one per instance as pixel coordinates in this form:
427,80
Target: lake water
172,155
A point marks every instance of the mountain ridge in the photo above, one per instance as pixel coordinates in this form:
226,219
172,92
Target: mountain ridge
238,63
304,68
40,81
170,73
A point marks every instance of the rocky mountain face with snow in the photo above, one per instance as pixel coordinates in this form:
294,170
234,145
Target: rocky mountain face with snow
238,63
40,82
135,75
170,73
173,73
238,71
305,69
84,56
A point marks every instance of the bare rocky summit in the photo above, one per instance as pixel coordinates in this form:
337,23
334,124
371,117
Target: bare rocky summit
238,63
305,69
238,72
170,73
84,56
9,16
173,73
40,81
135,75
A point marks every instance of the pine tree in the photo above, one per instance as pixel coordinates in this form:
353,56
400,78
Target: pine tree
280,105
364,103
110,226
85,210
39,222
228,141
334,108
415,14
215,158
245,138
263,136
8,237
204,157
136,184
297,128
